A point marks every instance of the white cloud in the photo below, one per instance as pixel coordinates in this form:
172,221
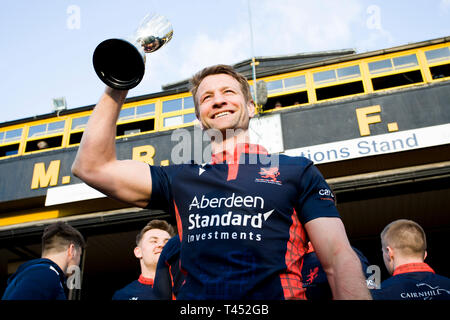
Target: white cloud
179,61
280,27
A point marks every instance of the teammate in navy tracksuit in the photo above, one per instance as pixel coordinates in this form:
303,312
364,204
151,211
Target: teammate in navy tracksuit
38,279
45,278
245,218
168,277
404,251
149,244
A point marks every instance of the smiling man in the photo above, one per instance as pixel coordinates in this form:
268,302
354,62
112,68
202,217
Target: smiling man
149,244
245,218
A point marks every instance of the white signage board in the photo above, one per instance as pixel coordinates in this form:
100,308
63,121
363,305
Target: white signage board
375,145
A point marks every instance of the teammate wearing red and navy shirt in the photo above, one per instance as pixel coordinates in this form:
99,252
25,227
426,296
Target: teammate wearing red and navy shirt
404,251
245,217
141,289
149,244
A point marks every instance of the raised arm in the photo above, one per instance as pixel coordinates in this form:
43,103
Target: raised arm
340,262
96,161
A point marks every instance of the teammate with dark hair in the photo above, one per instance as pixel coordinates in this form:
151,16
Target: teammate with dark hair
45,278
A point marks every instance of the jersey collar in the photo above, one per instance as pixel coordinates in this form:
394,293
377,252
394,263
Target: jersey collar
412,267
234,157
144,280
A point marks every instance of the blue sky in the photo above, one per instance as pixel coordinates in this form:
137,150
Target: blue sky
47,46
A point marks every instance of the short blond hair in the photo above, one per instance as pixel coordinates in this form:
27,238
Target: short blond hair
406,236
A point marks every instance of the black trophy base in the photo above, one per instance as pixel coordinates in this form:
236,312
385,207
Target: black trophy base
118,64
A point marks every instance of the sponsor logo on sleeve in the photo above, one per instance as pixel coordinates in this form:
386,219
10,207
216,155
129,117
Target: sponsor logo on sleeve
326,194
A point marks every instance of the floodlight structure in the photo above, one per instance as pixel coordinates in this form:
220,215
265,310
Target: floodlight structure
59,104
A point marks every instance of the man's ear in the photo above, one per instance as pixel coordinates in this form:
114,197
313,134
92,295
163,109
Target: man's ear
71,251
425,255
390,253
137,252
251,108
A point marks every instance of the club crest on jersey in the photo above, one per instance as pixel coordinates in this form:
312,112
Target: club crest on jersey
269,175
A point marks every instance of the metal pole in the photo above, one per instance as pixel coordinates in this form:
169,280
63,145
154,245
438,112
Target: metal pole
252,52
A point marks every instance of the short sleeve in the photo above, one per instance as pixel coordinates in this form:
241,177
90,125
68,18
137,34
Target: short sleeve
316,199
161,197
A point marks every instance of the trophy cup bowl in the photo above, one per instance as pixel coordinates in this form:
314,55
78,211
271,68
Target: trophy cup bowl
120,63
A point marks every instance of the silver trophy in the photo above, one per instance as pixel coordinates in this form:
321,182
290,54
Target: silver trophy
120,63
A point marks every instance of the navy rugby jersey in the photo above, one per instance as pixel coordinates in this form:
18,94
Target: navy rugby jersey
141,289
414,281
241,222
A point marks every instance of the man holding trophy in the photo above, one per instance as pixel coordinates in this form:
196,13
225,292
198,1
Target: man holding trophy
241,237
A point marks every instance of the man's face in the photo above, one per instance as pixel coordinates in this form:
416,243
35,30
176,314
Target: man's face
151,245
222,105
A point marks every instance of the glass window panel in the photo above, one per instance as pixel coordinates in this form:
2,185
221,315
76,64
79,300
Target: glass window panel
126,114
37,130
438,54
295,82
274,86
13,135
325,76
189,117
173,121
188,103
79,123
348,72
405,62
380,66
147,110
11,153
56,126
172,105
2,134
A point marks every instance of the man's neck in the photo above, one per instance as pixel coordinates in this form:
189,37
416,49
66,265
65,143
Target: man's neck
406,260
148,272
230,141
59,259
